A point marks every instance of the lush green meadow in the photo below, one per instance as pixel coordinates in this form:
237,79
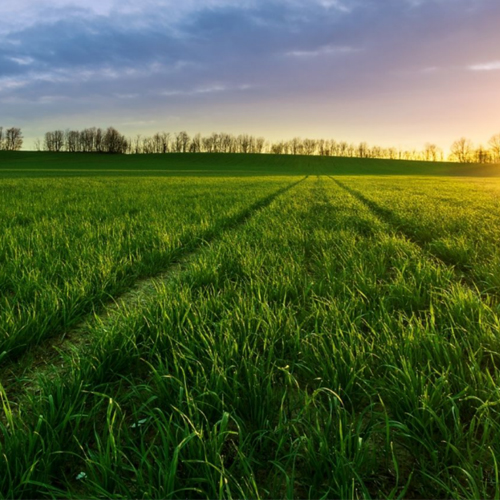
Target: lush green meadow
42,164
261,327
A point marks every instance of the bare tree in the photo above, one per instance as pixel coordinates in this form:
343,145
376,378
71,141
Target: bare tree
13,140
54,141
431,152
481,155
462,151
260,144
165,141
244,143
309,146
137,144
494,144
342,148
88,140
227,143
362,150
195,146
73,143
206,144
277,148
296,146
48,142
376,152
113,141
147,145
97,136
185,139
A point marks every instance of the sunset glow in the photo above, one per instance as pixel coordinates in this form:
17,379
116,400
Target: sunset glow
393,72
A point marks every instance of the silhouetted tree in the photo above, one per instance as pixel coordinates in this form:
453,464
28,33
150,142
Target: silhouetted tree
73,143
54,141
13,139
431,152
494,144
309,147
195,146
462,150
113,142
481,155
362,150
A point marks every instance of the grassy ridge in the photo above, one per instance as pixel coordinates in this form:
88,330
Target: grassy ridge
66,164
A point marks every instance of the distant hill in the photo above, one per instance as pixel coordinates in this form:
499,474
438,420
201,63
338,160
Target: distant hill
61,164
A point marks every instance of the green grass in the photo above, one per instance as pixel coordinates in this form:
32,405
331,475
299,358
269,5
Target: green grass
70,164
323,337
68,245
456,222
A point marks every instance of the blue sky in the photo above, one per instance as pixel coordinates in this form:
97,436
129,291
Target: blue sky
390,72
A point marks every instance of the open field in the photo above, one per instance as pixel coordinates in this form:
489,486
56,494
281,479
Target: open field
235,326
30,164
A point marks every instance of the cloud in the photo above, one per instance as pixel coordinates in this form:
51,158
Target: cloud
489,66
210,89
213,58
326,50
335,4
22,60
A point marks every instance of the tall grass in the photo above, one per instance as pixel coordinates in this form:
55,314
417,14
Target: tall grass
67,246
313,351
457,221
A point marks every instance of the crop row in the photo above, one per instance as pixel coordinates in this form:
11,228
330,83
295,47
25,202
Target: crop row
311,352
458,221
69,245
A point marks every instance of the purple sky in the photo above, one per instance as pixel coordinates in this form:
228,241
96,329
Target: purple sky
389,72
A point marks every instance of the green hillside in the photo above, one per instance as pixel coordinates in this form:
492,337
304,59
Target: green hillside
50,164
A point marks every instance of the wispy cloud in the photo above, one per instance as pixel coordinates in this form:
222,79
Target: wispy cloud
10,83
210,89
105,73
291,65
489,66
325,50
335,4
22,60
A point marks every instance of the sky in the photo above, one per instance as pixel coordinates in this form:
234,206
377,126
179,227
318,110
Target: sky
389,72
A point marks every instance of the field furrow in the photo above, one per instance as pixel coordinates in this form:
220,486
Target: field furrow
458,221
68,247
21,375
312,352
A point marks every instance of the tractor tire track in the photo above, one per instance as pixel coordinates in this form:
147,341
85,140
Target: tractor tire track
461,274
19,375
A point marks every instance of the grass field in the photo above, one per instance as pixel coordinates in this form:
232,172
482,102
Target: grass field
41,164
220,326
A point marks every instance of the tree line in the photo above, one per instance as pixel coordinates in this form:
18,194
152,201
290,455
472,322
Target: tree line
11,139
111,141
464,151
97,140
89,140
